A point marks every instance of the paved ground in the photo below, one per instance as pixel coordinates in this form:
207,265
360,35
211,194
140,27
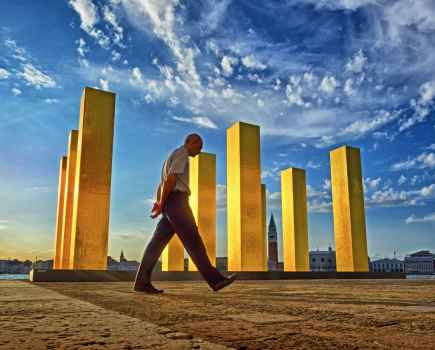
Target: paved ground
310,314
36,318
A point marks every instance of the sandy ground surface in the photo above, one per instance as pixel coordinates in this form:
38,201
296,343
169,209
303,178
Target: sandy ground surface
33,318
309,314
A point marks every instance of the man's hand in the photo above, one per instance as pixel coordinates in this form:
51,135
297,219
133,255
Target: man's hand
156,210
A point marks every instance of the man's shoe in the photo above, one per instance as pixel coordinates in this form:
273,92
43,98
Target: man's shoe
148,288
226,282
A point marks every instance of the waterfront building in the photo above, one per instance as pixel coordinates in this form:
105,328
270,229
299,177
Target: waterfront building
323,260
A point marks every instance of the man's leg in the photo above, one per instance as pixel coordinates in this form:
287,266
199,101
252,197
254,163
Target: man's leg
161,237
181,218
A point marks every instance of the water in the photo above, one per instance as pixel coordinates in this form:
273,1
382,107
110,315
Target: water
420,277
7,276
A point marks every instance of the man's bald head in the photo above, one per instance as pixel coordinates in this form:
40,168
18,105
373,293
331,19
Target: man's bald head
192,138
193,144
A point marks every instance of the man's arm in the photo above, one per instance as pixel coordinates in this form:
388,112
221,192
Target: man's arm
158,192
162,194
167,187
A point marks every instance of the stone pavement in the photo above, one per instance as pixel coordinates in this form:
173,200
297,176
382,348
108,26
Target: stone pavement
295,314
32,317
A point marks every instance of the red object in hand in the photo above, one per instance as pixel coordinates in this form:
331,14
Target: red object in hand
156,210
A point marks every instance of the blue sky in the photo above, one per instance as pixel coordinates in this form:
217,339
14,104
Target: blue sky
314,75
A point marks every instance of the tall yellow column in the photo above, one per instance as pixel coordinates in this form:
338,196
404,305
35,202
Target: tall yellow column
263,223
173,255
294,220
59,215
69,199
348,210
202,183
245,232
89,238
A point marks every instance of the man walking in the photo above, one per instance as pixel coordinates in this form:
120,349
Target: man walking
177,217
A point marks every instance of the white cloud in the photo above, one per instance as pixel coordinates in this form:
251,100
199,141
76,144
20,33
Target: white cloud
426,218
409,13
170,22
89,17
4,74
319,206
428,191
4,224
104,84
202,122
313,165
16,91
116,56
294,94
35,77
221,197
312,192
422,161
372,183
253,63
118,31
87,12
361,127
51,101
227,65
348,87
431,147
82,48
18,53
427,92
328,84
212,15
310,78
326,185
421,106
160,15
342,4
356,63
402,180
390,198
136,78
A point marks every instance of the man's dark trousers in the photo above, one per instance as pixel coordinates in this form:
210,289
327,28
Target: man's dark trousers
177,217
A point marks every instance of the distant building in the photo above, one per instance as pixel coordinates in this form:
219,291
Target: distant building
43,264
273,245
15,266
123,264
323,260
421,262
387,265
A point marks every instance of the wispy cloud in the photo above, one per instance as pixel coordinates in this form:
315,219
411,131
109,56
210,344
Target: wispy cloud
16,91
422,161
202,122
35,77
390,197
426,218
4,74
4,224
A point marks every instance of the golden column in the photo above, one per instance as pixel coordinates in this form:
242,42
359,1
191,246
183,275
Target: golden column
348,210
202,183
244,210
69,199
59,214
90,224
173,255
263,223
294,220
